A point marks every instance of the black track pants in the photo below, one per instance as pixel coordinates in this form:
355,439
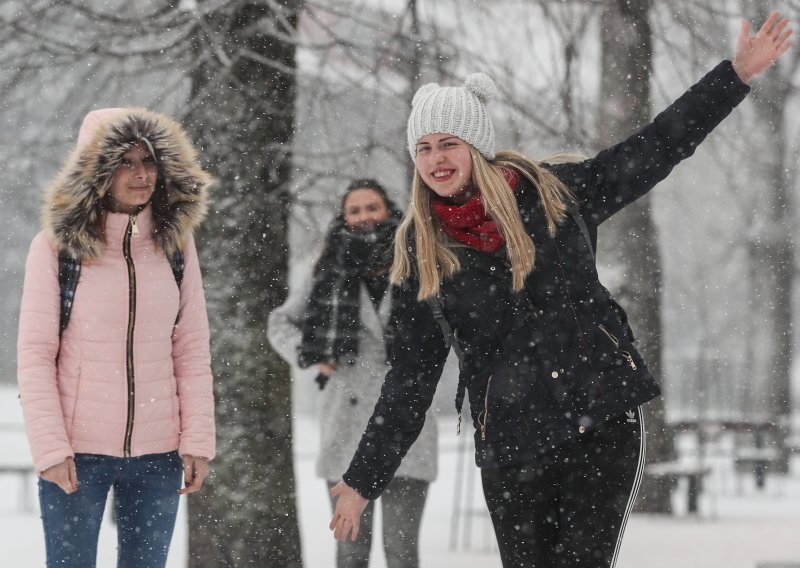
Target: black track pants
569,507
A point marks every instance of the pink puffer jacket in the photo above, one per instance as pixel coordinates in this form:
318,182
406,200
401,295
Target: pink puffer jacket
85,398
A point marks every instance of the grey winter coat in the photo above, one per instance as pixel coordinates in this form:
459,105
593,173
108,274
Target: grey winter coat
348,399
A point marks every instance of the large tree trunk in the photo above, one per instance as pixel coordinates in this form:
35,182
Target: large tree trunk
771,249
629,241
243,118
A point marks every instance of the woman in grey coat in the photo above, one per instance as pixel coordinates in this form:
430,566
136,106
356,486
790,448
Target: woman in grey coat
338,322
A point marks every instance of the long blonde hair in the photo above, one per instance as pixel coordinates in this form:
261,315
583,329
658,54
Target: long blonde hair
435,257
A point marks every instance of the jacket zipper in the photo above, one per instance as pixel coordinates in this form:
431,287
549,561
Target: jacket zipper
126,251
615,341
485,413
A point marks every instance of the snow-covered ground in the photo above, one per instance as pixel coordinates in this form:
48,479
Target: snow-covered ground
738,527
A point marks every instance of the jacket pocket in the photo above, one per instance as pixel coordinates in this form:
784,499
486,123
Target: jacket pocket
73,418
624,353
500,405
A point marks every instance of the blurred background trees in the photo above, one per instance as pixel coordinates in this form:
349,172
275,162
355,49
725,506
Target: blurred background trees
289,100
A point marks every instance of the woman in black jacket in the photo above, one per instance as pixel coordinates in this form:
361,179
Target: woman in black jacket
503,246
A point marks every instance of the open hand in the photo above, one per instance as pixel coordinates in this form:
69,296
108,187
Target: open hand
64,475
347,516
755,54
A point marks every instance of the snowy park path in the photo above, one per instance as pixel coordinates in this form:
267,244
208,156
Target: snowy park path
747,530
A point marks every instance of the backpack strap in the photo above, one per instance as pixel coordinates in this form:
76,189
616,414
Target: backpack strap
176,262
69,271
435,302
450,340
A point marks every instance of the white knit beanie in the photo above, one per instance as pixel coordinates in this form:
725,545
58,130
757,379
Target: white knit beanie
459,111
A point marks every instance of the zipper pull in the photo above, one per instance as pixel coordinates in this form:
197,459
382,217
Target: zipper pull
630,361
458,425
134,228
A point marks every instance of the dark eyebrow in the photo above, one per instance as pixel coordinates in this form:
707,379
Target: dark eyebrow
446,138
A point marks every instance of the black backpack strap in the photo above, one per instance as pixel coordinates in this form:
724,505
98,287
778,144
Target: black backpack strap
450,340
69,271
435,302
176,263
575,213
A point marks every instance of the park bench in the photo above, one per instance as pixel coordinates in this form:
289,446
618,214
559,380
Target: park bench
674,471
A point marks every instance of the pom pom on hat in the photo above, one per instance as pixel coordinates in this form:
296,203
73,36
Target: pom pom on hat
459,111
481,85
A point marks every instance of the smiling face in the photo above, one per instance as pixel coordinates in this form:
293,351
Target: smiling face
445,165
134,181
363,209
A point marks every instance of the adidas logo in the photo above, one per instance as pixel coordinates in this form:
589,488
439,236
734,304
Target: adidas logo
631,416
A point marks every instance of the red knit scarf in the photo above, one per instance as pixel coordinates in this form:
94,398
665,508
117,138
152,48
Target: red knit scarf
469,224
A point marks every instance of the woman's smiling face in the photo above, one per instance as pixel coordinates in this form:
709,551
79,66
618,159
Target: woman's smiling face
445,165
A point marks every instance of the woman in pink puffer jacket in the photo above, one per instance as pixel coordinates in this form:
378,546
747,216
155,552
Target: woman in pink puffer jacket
123,397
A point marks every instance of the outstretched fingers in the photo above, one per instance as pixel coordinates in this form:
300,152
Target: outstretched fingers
773,30
767,26
342,526
781,44
776,31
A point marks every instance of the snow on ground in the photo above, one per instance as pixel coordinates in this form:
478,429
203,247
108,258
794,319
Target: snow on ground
738,526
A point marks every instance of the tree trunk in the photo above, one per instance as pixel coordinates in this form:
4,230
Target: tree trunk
242,118
773,253
629,241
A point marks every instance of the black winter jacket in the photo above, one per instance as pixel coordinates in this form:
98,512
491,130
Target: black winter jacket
556,359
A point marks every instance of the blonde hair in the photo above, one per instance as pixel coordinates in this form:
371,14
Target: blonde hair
435,258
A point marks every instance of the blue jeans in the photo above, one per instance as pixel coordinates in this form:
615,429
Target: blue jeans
145,502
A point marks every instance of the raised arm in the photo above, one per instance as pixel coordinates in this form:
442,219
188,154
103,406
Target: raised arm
626,171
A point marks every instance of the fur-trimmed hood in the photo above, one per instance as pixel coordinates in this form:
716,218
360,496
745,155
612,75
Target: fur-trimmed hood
74,199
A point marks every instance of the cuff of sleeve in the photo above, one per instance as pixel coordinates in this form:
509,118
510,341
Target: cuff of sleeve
360,487
49,460
197,451
730,80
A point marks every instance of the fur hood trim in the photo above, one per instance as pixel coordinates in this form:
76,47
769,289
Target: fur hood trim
73,210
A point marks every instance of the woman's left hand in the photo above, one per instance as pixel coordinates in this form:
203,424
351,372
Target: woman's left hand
195,470
754,54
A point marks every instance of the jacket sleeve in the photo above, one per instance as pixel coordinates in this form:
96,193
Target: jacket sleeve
37,348
284,324
417,356
191,357
625,172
